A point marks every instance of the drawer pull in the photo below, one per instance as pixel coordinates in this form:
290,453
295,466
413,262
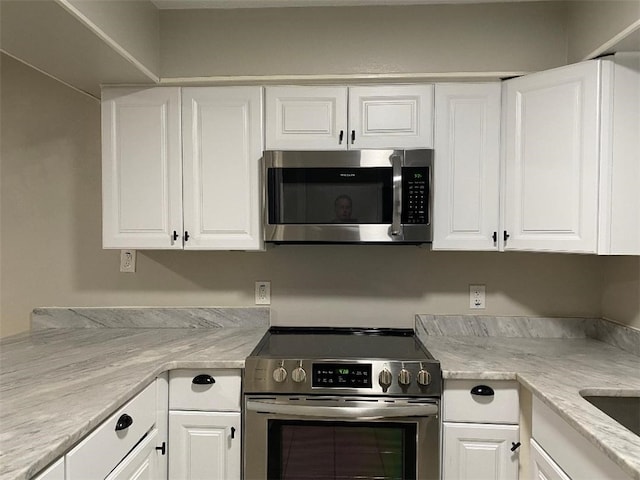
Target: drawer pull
482,390
515,446
124,422
233,432
203,379
162,448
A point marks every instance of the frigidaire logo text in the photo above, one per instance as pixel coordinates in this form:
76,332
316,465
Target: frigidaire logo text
347,174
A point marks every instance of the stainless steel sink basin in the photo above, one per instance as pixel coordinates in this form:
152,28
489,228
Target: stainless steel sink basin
624,410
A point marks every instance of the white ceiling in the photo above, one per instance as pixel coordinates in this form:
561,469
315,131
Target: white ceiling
188,4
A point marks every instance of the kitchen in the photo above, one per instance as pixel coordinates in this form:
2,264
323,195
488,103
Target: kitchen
51,157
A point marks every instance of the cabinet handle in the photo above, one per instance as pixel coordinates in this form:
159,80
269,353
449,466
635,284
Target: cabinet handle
124,422
495,237
186,236
353,137
515,446
506,235
340,137
175,235
162,448
203,379
233,432
482,390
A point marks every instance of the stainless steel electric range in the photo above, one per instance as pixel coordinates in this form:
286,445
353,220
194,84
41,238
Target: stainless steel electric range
338,403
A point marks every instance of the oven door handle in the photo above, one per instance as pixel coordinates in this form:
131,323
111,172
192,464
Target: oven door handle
355,412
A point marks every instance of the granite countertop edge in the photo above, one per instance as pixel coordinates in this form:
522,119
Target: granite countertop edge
196,351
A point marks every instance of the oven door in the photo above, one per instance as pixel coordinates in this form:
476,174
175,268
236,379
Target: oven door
331,437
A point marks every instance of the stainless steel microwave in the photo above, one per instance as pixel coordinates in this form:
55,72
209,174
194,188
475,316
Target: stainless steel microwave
360,196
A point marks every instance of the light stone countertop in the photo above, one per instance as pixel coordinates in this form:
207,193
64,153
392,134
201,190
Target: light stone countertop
57,385
555,370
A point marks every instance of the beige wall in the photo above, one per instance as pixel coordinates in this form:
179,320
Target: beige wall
592,24
360,40
50,246
621,290
135,26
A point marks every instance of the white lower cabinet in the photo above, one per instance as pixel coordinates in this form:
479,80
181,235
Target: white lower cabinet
53,472
130,444
205,424
204,445
479,451
542,465
143,463
480,439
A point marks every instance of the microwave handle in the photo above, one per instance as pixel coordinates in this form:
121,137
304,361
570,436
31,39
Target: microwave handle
396,225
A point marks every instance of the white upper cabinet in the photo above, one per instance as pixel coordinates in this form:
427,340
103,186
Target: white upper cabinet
222,151
466,166
551,159
306,118
141,168
341,118
394,116
151,158
619,230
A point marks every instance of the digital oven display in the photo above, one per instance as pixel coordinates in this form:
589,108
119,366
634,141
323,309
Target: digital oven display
341,375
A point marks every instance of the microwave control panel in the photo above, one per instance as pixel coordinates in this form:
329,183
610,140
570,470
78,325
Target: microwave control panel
415,195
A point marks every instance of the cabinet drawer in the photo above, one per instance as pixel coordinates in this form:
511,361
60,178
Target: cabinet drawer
461,405
221,395
103,449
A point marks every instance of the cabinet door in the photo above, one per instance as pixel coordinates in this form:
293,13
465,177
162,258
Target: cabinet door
141,168
479,451
542,465
204,445
398,116
143,463
222,152
466,166
551,159
306,118
53,472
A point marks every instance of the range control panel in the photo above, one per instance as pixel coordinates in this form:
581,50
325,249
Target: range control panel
341,375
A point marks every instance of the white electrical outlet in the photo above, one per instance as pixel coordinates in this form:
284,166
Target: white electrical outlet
477,296
263,293
128,261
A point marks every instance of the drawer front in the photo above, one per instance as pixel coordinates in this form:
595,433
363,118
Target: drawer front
481,401
221,395
103,449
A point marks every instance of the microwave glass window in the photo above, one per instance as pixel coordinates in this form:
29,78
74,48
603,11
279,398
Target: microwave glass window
330,195
300,450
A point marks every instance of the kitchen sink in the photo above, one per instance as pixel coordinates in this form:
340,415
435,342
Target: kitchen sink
623,409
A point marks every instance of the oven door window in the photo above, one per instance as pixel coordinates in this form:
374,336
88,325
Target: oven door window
305,450
330,195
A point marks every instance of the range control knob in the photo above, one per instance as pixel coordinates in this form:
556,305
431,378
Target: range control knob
404,377
424,378
298,375
280,374
385,378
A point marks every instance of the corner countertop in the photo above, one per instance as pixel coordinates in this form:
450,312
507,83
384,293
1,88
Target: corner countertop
556,370
57,385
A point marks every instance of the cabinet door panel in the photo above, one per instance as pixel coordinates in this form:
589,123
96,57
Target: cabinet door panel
479,451
306,118
143,463
466,166
222,151
551,159
141,168
399,116
201,445
543,466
